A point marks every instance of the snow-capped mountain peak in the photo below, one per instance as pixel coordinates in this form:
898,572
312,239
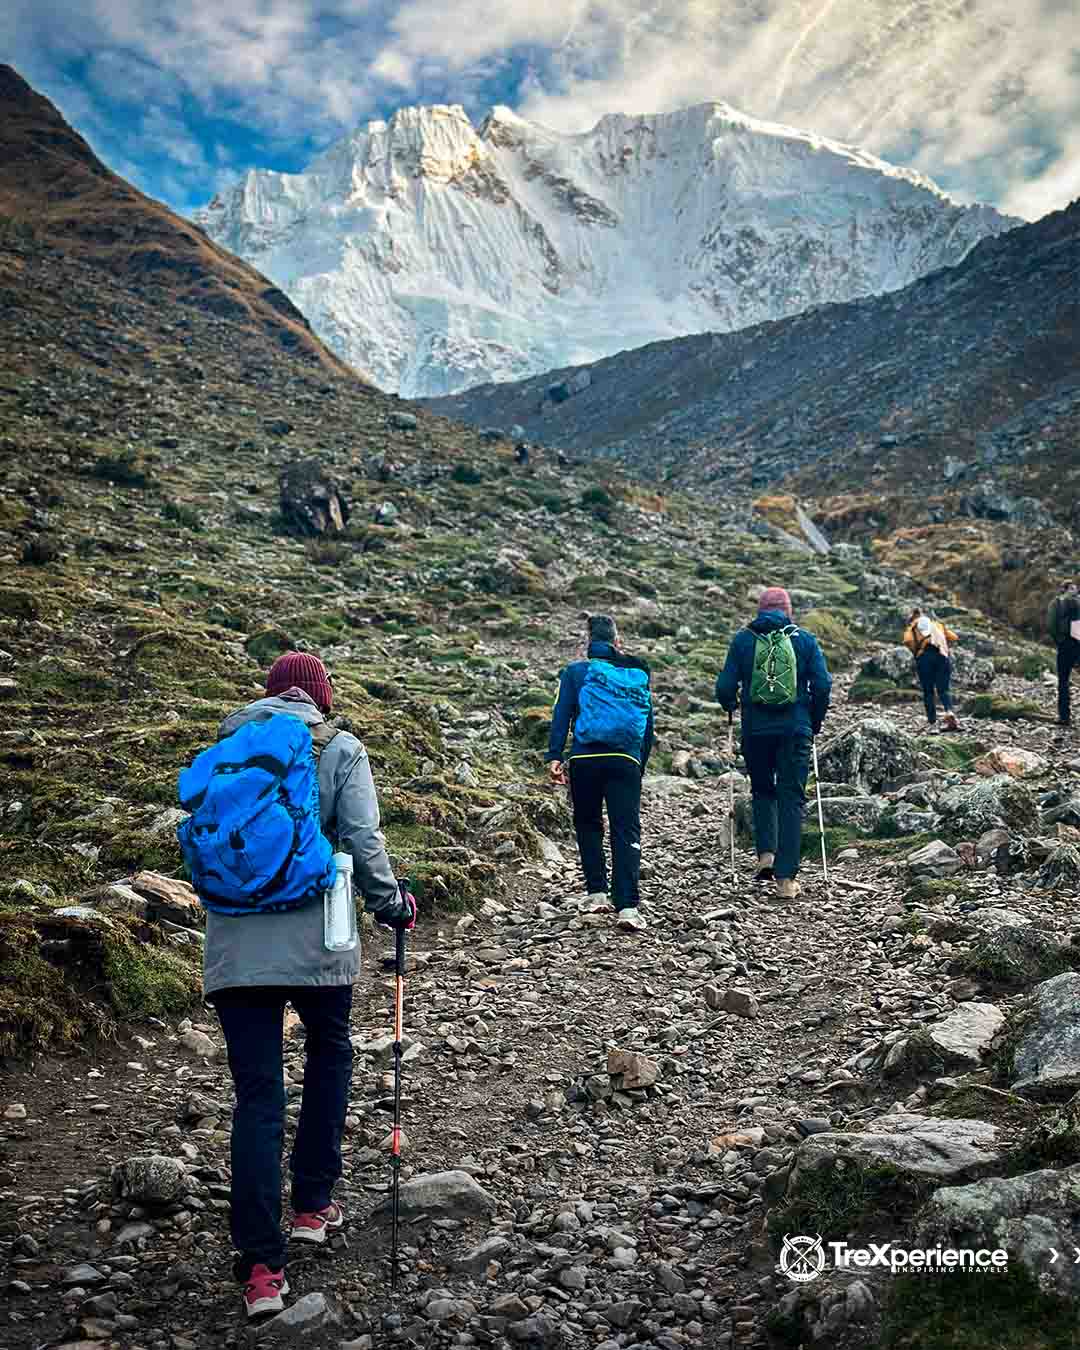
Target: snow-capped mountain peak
436,255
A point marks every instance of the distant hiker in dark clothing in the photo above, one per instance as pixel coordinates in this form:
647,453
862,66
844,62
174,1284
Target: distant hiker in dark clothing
521,453
257,961
777,674
606,700
1063,622
561,459
928,641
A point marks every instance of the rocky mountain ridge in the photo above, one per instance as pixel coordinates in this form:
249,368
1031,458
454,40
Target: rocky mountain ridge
437,255
50,176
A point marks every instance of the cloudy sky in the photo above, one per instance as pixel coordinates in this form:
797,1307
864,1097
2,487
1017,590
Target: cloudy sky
181,96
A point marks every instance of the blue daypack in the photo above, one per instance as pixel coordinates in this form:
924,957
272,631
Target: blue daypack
613,706
253,842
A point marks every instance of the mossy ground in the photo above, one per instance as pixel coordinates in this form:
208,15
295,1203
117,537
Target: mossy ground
843,1199
1005,1311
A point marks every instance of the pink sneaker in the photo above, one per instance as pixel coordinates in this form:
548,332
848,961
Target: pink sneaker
264,1290
314,1227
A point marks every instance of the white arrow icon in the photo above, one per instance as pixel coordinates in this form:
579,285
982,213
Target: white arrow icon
1053,1255
1076,1259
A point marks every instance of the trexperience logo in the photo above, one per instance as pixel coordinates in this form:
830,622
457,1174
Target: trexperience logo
804,1258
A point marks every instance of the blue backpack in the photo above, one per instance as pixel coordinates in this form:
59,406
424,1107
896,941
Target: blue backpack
253,842
613,706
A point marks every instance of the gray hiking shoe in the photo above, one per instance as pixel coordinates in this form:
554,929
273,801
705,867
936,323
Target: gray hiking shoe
631,920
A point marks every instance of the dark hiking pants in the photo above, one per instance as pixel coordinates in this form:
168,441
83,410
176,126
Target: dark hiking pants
252,1020
1068,658
935,672
615,781
778,768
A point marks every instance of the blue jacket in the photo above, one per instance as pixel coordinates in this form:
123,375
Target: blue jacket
566,709
803,718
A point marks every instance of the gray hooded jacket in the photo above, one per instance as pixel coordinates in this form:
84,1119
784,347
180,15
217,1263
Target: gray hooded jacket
288,949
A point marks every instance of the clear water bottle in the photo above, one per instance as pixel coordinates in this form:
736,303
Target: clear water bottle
339,908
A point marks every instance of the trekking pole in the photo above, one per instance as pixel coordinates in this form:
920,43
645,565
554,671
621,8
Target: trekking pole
395,1138
821,820
731,790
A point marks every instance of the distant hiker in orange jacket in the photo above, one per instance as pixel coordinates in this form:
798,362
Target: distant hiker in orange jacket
928,641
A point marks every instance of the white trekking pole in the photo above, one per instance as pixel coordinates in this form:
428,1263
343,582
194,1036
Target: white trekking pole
731,791
821,820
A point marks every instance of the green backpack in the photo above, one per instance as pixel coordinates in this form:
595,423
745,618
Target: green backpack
775,681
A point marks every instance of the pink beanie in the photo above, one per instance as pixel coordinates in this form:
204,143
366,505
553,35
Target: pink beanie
775,597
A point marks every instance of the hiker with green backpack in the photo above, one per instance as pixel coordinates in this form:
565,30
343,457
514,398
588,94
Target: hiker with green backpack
269,802
777,674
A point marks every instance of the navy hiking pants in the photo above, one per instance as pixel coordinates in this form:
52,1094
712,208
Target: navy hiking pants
252,1020
614,780
778,768
935,672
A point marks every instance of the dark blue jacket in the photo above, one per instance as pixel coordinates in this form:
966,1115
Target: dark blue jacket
803,718
566,709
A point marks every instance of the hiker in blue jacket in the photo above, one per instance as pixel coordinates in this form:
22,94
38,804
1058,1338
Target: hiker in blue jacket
255,963
605,699
776,740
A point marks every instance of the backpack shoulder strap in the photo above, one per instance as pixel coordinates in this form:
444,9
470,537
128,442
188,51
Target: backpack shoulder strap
321,736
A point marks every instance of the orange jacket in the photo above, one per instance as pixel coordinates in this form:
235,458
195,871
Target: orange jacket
917,644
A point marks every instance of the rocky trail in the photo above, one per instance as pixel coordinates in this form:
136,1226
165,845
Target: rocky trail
631,1124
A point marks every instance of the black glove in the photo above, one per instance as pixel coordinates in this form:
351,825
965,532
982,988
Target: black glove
403,915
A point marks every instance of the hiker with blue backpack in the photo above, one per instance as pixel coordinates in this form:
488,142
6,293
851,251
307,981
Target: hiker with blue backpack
269,803
777,674
606,703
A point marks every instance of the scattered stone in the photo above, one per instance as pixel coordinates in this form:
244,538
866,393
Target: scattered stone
935,860
199,1043
629,1070
150,1179
309,1314
16,1111
443,1195
1010,760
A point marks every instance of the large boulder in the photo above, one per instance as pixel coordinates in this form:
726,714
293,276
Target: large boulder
1061,871
891,663
1046,1052
869,754
964,1037
921,1147
856,812
969,810
1031,1216
971,671
1014,955
312,502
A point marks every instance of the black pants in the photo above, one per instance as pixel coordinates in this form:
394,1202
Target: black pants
251,1019
615,780
1068,658
935,672
778,768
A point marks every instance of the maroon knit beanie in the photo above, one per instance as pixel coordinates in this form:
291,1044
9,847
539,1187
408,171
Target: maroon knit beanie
775,597
301,670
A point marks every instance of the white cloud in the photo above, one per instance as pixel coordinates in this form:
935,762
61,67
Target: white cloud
981,94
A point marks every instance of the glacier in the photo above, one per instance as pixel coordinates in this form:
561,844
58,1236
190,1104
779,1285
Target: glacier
433,255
